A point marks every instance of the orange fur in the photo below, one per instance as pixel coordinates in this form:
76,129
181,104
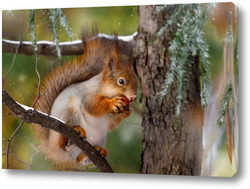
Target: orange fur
71,101
103,105
63,142
101,57
81,157
77,70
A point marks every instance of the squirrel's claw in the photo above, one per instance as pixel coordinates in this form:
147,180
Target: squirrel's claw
80,131
118,104
102,151
124,114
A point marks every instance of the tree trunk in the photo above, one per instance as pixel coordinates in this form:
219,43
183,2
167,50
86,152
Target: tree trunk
170,145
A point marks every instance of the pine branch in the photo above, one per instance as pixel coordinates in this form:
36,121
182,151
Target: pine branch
32,29
30,115
55,19
52,18
187,40
64,23
228,92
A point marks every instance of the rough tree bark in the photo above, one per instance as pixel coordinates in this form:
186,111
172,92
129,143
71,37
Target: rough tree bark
169,146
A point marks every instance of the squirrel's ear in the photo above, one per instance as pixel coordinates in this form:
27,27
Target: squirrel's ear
111,67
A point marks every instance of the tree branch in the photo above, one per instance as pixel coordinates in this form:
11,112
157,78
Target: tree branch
9,141
17,157
16,52
30,115
39,83
5,76
67,48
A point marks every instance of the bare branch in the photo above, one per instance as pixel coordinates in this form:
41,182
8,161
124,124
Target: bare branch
38,96
9,141
34,155
39,83
17,157
30,115
21,161
67,48
10,68
16,52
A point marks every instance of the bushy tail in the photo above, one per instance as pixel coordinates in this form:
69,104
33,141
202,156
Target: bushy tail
97,51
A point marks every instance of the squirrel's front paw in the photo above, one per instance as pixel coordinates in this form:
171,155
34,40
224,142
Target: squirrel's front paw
117,104
124,114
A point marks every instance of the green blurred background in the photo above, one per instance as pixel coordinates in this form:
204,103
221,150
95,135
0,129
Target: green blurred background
124,143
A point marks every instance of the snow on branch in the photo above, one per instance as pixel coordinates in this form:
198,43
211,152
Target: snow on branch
31,115
69,48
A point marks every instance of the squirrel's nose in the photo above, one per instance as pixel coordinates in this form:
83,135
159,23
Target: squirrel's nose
133,98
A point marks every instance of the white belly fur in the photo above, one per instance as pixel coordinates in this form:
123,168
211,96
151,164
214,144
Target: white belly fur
73,113
95,128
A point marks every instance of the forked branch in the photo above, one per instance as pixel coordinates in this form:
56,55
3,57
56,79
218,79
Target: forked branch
30,115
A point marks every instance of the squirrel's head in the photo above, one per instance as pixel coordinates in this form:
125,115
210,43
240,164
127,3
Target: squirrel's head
119,79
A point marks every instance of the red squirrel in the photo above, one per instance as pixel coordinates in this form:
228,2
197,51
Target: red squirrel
91,94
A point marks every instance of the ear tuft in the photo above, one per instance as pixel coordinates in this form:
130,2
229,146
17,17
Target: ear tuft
111,67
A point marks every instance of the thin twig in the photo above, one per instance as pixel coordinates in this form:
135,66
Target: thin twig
29,165
5,76
8,143
17,157
16,52
30,115
39,82
33,156
38,95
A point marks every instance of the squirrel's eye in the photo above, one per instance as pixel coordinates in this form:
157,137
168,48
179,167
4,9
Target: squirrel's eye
121,82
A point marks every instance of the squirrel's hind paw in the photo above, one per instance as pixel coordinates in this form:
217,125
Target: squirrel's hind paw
102,151
80,131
